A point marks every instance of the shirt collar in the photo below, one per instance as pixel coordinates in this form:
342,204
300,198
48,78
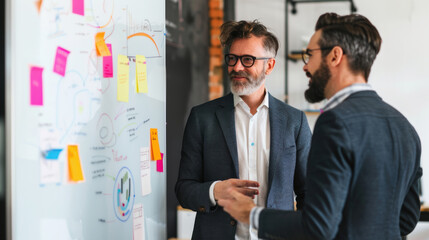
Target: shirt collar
344,93
239,100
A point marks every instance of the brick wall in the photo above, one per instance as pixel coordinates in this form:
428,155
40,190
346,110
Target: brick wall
216,56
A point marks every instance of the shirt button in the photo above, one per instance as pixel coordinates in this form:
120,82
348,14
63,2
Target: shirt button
233,222
253,144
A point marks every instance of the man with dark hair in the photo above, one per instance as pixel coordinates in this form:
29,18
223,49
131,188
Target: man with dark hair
364,162
247,141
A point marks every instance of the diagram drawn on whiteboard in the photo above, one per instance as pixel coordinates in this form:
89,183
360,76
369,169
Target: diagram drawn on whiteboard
123,194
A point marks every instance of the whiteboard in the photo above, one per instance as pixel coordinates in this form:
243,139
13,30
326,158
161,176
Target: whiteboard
118,191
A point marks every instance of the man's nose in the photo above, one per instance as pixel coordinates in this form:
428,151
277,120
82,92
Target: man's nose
238,66
305,68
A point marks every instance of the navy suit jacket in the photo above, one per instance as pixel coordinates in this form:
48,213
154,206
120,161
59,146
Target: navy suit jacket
209,153
362,176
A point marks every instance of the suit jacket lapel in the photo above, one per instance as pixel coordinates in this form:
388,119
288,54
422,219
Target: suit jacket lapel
277,135
225,115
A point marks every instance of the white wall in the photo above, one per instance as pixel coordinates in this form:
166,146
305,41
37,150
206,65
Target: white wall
400,72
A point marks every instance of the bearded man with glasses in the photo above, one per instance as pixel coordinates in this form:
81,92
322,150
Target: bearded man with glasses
247,141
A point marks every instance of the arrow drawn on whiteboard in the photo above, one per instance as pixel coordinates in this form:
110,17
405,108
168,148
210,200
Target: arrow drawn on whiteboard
122,111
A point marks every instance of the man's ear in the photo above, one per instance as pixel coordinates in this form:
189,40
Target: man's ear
271,62
335,56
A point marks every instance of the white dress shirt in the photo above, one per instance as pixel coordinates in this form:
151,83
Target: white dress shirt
253,148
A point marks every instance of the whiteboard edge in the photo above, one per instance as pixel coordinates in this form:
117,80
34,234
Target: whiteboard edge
9,116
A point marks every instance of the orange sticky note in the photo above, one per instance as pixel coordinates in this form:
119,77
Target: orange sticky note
75,167
100,45
39,5
156,153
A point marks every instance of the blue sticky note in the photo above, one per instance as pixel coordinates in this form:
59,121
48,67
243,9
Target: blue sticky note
53,154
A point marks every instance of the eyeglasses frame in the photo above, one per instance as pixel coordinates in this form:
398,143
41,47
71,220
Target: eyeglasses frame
308,52
241,60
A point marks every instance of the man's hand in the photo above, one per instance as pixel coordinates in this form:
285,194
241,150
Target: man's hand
245,187
238,207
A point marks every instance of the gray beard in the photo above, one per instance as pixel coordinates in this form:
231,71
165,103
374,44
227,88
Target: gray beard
249,87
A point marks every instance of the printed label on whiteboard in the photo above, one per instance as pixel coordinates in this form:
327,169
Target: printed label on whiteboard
138,222
50,150
145,171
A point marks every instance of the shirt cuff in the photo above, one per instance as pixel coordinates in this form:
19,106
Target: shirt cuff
254,217
211,193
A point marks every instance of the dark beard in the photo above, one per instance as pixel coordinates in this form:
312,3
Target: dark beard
316,88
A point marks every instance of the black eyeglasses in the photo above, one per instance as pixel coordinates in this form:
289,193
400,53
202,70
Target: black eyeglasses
246,60
307,53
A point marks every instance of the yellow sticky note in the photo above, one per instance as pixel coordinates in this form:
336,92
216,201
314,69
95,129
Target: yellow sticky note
100,45
141,74
155,151
123,78
75,167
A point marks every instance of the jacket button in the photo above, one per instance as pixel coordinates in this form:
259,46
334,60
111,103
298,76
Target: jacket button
202,209
233,222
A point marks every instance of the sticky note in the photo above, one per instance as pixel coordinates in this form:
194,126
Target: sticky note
141,74
61,61
38,5
79,7
156,153
53,154
123,78
75,167
138,222
108,63
49,171
36,86
49,165
100,45
49,139
159,164
145,171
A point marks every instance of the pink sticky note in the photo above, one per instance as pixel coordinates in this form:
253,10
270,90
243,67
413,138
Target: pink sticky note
36,86
79,7
108,63
159,165
61,61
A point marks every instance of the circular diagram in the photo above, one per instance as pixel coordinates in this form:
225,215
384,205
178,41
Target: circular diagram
105,130
123,194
